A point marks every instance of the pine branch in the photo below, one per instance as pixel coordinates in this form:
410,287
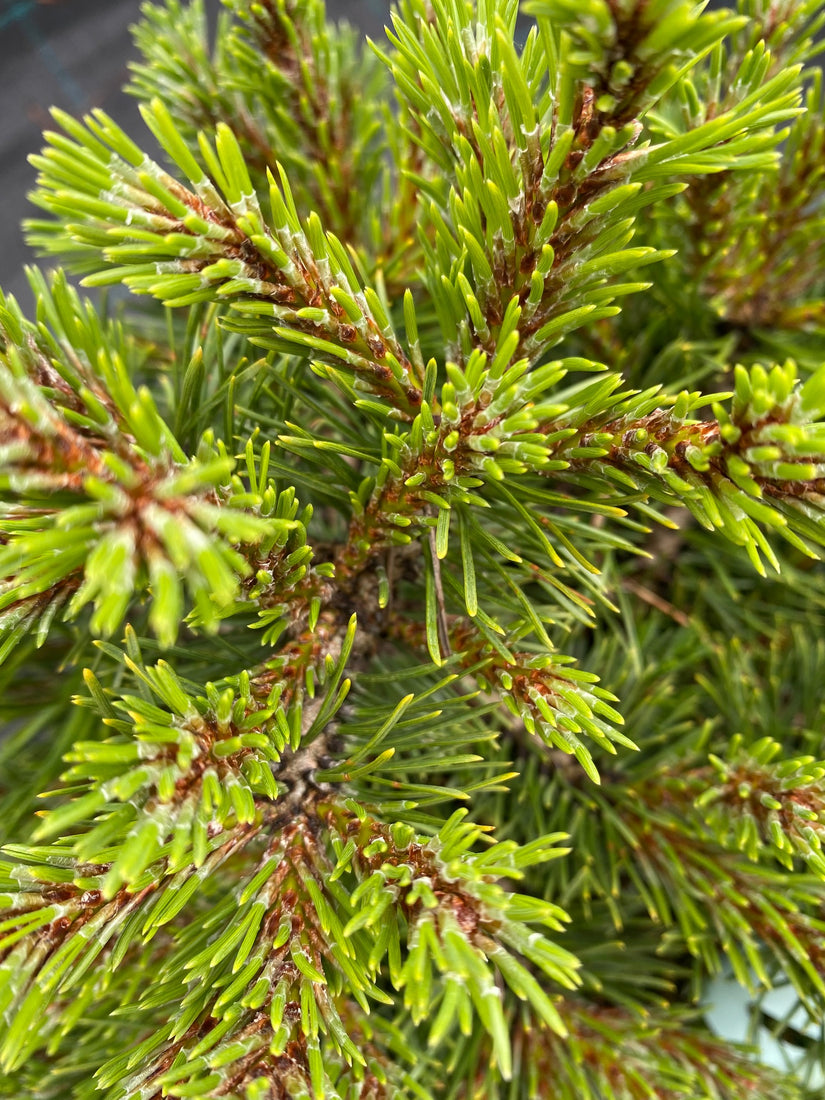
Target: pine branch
758,296
200,779
652,836
771,277
265,820
556,702
60,923
757,464
272,948
294,89
614,1052
542,208
755,805
295,283
101,500
176,775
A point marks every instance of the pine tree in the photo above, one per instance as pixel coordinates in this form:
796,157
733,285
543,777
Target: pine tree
403,697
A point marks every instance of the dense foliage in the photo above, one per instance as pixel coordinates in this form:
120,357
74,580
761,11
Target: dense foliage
410,607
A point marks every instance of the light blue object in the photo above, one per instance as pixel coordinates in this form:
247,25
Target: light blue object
734,1014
